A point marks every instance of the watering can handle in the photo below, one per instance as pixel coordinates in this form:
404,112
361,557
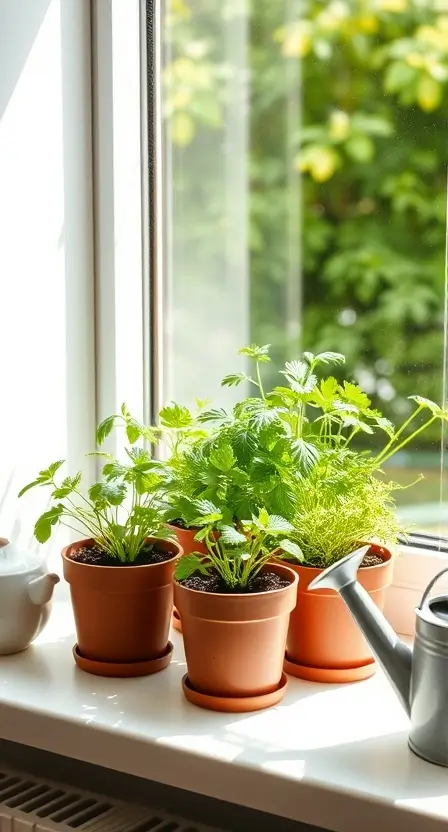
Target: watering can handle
430,586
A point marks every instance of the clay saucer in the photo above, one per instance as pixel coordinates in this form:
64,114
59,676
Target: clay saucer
125,670
234,704
328,674
175,620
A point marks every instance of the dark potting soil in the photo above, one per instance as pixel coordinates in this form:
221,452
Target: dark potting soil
213,583
371,560
94,556
181,524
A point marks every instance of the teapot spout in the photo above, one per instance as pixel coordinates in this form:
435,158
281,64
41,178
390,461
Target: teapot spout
40,590
393,655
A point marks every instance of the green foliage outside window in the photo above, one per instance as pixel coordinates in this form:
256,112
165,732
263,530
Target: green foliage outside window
347,168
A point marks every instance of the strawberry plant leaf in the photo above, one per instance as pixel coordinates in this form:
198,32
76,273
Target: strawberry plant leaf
213,415
229,534
223,458
234,379
260,354
175,416
278,525
330,358
305,454
188,565
44,525
104,429
291,548
112,492
427,403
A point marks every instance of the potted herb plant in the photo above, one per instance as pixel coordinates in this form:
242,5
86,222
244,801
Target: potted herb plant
178,431
235,608
303,460
121,572
343,499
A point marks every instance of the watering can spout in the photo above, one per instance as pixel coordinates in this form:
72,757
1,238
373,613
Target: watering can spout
393,655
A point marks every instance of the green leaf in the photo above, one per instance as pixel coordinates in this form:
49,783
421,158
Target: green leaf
114,470
44,477
353,394
133,432
263,518
398,76
223,458
117,531
260,415
328,387
385,424
67,486
104,429
206,507
53,468
112,492
43,526
280,498
175,416
244,445
292,549
234,379
360,148
188,565
260,354
330,358
296,370
305,454
278,525
213,415
229,534
30,485
427,403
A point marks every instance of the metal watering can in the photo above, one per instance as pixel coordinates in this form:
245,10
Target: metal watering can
419,676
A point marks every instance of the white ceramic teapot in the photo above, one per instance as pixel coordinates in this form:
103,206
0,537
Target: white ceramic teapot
26,589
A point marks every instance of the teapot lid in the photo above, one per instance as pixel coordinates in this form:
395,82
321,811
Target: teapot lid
13,560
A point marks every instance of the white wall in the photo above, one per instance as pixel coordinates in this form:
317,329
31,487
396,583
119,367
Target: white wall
47,407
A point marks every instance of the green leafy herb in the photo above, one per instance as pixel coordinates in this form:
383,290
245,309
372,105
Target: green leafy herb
237,552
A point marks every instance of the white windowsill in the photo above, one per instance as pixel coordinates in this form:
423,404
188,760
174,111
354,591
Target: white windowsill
332,756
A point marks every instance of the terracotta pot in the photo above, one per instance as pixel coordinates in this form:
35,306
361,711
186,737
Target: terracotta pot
234,644
185,538
122,613
324,644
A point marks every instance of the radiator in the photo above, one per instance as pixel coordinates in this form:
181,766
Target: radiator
30,804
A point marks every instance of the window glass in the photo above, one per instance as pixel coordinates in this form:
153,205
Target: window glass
305,169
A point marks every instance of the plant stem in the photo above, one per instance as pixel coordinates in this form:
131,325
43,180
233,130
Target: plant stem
400,430
382,459
259,381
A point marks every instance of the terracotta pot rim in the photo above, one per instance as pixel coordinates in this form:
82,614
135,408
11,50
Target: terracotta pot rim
386,560
177,554
267,593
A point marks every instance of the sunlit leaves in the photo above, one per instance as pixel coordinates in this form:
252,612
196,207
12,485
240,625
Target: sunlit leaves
305,454
427,403
112,493
104,429
175,416
188,565
292,549
259,354
45,523
234,379
223,458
